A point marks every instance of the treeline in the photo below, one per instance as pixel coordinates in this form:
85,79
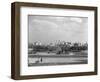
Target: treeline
58,48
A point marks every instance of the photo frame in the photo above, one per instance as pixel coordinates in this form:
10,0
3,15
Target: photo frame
53,40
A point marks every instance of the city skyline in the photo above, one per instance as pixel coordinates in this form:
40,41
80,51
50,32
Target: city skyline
57,42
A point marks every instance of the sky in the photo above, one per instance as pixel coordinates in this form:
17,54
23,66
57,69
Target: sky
47,29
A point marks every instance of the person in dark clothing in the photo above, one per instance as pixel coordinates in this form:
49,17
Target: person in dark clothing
41,59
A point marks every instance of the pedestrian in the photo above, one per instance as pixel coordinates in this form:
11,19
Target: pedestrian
41,59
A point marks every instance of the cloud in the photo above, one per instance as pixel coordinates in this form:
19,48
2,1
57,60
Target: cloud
44,25
49,28
74,19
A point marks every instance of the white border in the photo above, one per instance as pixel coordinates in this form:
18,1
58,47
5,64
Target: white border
25,70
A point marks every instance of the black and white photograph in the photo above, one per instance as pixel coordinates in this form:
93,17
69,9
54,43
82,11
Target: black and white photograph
53,40
57,40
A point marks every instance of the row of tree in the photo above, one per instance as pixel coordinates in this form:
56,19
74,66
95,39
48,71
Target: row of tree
58,48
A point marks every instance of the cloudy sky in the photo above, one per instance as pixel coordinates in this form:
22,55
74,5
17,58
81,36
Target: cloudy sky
48,29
